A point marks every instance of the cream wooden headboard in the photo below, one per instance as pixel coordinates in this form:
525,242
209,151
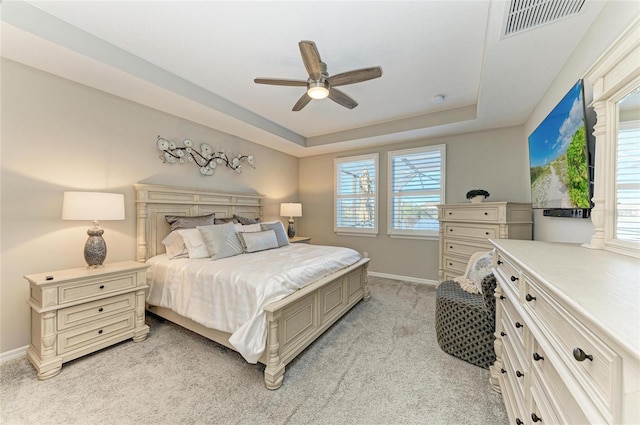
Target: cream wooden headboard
154,202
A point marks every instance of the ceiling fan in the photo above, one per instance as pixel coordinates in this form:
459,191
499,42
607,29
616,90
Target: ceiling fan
320,85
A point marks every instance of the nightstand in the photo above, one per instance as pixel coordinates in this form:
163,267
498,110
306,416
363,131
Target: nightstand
300,239
78,311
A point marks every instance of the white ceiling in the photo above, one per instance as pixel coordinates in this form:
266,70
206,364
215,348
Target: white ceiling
198,60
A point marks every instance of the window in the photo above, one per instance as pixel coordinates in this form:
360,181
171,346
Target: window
356,195
416,187
627,226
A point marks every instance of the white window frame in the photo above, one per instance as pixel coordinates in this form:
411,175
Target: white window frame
356,231
410,233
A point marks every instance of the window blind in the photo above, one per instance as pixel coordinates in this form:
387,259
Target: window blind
356,194
628,182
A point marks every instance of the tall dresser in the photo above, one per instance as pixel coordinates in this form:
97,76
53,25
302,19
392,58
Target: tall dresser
567,334
466,228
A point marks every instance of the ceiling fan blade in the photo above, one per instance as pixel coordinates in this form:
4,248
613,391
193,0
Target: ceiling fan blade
341,98
279,82
311,59
356,76
302,102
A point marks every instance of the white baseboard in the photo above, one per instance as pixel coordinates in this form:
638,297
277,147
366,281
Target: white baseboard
13,354
407,278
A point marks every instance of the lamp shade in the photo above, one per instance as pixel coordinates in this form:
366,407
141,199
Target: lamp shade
291,209
92,206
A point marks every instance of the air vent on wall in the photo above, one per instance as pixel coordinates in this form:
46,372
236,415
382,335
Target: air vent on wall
526,14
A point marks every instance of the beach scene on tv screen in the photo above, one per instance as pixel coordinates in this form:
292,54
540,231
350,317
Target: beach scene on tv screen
558,156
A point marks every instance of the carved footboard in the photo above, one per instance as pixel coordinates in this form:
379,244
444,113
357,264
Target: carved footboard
296,321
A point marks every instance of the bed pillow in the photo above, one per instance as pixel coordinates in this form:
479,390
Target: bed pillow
174,245
195,243
248,228
278,228
224,220
181,222
246,220
479,266
221,240
258,241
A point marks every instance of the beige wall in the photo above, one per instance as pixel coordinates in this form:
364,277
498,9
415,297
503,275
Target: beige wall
58,135
495,160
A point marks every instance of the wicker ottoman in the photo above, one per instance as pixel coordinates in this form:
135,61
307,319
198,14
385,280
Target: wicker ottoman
465,323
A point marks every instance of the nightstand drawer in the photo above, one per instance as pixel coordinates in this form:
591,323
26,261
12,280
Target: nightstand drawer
469,213
95,332
96,287
478,231
83,313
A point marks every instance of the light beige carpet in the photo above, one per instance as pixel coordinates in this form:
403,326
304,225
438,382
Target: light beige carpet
380,364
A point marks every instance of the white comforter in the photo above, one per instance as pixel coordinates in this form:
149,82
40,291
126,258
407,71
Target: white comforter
230,294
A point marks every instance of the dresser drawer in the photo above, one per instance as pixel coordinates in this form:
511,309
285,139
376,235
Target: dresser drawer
464,248
469,213
566,407
478,231
93,333
508,273
83,313
595,373
513,326
455,264
540,405
96,287
514,368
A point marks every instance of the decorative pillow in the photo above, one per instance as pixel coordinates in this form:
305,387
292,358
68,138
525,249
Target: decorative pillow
258,241
196,246
181,222
278,228
479,266
246,220
174,245
221,240
224,220
249,228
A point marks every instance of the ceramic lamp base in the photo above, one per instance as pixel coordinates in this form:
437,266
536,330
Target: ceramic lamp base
291,231
95,249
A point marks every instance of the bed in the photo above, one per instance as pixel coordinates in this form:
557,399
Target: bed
291,323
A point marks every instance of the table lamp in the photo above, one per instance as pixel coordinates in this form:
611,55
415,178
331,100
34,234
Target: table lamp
93,206
291,209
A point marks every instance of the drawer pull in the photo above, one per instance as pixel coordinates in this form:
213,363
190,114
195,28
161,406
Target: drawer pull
450,213
519,422
502,297
100,310
580,355
486,213
513,278
101,286
520,325
519,374
503,371
450,247
537,357
451,230
100,331
499,262
529,298
535,418
503,334
451,264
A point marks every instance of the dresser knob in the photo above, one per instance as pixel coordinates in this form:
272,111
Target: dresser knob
100,331
100,310
451,230
450,247
519,325
502,297
499,262
580,355
535,418
486,213
503,371
519,374
513,278
450,213
519,422
101,286
451,264
529,298
503,334
537,357
486,233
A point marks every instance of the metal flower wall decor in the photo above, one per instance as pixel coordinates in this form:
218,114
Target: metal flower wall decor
206,159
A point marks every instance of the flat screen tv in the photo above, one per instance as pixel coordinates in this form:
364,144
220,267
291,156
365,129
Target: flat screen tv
561,159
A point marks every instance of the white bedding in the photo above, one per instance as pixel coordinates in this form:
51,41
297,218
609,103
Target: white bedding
230,294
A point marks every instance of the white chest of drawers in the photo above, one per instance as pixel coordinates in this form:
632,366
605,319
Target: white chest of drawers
466,228
78,311
567,334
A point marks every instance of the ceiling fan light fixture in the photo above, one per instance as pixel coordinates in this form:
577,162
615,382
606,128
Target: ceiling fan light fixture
318,89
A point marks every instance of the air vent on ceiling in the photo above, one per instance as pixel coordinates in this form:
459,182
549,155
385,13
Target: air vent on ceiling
526,14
